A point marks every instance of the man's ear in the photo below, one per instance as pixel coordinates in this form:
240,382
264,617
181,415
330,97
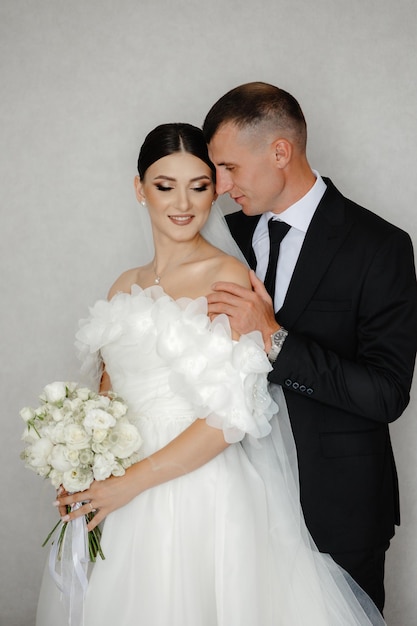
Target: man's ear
282,152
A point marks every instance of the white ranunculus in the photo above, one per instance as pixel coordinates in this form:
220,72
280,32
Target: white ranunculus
76,437
99,435
58,458
27,413
125,439
98,419
55,392
77,479
73,456
103,465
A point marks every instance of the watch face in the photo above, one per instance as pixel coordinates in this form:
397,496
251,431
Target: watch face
279,336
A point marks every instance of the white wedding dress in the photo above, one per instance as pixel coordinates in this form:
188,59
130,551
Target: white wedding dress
225,545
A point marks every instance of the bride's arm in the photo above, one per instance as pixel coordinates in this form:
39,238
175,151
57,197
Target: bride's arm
194,447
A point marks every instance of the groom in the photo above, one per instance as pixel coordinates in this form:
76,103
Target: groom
342,335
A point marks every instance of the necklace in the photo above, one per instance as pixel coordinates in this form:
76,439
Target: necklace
158,277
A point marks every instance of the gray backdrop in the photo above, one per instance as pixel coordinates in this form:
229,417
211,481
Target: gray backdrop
81,83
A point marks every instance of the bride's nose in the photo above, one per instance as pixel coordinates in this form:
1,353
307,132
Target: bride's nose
182,200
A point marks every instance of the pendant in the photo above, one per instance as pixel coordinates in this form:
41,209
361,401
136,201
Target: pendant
157,280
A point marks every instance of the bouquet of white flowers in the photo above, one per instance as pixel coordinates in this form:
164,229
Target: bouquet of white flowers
76,436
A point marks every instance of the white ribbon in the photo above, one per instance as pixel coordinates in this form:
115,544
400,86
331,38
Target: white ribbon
68,564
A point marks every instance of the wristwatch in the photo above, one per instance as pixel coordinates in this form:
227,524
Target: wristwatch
277,341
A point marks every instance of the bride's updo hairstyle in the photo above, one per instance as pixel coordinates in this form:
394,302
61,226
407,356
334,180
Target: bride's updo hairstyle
169,139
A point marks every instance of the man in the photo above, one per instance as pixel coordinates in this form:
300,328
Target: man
342,335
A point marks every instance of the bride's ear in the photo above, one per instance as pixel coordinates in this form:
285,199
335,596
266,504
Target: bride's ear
139,189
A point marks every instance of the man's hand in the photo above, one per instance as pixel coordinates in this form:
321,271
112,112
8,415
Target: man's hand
247,310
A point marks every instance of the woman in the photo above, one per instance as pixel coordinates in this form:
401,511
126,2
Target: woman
206,529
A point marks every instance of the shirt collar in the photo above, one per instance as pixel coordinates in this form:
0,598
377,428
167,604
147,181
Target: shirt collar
300,214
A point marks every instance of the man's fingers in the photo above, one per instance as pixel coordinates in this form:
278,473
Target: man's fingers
231,288
258,286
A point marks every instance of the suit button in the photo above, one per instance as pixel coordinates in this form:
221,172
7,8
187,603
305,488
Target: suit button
295,385
288,382
309,391
303,388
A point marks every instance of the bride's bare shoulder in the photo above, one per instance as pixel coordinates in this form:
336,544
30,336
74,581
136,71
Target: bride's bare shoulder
125,282
230,269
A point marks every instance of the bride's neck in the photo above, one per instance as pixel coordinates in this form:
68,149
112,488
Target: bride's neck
170,258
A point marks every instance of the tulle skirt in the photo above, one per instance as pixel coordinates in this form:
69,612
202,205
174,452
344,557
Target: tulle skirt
225,545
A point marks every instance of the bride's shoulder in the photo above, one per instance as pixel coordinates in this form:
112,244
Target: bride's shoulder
125,282
230,269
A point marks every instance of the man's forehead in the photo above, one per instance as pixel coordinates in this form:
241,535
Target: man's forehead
230,143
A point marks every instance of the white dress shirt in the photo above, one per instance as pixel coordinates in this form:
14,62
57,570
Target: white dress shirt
298,216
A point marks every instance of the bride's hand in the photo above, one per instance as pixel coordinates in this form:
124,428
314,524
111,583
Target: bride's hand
102,497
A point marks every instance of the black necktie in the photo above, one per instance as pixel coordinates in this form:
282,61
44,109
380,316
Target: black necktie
277,232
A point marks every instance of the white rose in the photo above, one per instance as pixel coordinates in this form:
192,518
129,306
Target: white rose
77,479
76,437
58,458
125,439
103,465
118,470
118,409
27,413
55,392
98,419
83,393
56,478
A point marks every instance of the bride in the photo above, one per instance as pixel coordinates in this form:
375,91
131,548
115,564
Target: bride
206,529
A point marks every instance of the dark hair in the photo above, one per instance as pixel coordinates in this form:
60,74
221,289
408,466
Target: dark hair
251,104
168,139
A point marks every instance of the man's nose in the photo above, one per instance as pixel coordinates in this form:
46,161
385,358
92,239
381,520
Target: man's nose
223,182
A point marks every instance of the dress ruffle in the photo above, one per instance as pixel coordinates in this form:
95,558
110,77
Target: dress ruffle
224,380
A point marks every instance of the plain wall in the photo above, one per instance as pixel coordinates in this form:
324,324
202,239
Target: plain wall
81,84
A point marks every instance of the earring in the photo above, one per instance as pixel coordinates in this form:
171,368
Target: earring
143,203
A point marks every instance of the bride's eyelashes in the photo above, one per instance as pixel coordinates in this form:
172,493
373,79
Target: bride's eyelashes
200,188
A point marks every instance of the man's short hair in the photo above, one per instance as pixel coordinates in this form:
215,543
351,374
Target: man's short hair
258,104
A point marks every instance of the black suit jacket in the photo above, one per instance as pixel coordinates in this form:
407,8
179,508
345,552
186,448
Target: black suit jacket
346,366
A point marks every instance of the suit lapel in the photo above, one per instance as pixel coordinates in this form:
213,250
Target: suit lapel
242,228
326,233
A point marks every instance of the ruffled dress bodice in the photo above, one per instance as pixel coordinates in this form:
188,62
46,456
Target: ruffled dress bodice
168,361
